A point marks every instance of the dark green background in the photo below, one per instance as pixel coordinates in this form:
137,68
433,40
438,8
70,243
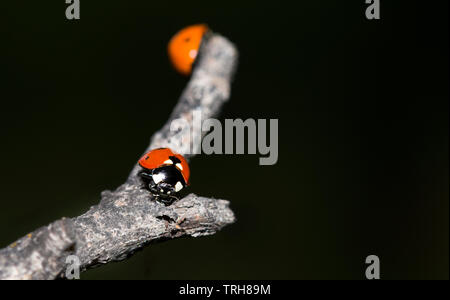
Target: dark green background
363,113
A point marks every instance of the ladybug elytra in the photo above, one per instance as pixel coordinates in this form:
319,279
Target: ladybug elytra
184,46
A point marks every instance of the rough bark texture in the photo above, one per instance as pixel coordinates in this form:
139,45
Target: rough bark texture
128,218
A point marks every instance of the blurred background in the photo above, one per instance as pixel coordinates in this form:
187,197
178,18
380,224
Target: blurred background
363,131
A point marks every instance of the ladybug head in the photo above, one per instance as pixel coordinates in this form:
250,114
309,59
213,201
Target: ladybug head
164,182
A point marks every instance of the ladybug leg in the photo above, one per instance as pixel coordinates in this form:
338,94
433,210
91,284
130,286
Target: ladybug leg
147,180
145,174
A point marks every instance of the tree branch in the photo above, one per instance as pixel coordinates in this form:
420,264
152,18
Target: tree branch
128,219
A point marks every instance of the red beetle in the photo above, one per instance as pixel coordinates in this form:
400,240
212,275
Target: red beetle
184,46
164,173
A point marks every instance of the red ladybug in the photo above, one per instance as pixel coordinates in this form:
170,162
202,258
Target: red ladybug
164,173
184,46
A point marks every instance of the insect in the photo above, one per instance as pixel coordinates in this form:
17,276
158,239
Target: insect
164,173
184,46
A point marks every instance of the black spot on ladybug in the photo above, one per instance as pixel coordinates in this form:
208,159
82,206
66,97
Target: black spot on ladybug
187,39
175,160
147,157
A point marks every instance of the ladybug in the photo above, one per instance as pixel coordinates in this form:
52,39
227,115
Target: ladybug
184,46
164,173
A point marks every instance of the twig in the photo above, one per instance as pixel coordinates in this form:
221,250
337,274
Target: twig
128,219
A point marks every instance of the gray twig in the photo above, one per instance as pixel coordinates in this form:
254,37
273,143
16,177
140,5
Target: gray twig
128,219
